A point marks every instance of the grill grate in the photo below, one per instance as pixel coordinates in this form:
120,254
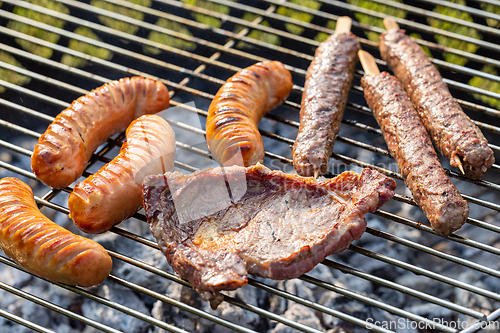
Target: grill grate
195,73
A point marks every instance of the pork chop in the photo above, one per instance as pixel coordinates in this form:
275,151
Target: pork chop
217,225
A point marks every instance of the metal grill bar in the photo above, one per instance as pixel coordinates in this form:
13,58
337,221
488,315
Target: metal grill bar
432,46
445,18
23,322
147,42
197,74
48,305
400,21
466,9
152,244
289,141
63,104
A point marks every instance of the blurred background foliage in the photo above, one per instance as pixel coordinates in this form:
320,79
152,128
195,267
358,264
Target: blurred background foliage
206,19
162,38
256,34
321,36
117,24
8,75
84,48
298,15
459,29
372,20
492,9
36,32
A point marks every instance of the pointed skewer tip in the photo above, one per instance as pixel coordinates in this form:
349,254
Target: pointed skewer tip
390,23
343,25
368,62
459,164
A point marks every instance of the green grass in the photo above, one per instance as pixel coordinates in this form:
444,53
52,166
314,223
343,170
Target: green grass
257,34
459,29
321,36
487,85
117,24
8,75
298,15
492,9
42,51
206,19
84,48
372,20
169,40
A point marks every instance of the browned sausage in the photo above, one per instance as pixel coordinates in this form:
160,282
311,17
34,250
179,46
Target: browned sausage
412,148
453,132
114,193
328,80
238,107
43,247
63,151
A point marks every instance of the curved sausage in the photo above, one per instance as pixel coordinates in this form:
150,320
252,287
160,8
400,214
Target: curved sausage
238,107
328,80
63,151
114,193
412,148
43,247
453,132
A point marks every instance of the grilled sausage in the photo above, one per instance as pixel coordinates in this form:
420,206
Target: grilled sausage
63,151
452,131
411,146
43,247
328,81
114,193
238,107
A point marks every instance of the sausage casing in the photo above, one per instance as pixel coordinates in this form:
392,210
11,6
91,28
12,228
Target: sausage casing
328,80
411,146
453,132
238,107
43,247
114,193
63,151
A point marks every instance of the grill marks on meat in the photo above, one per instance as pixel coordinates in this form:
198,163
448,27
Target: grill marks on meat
63,151
43,247
452,131
114,193
410,145
217,225
233,116
328,80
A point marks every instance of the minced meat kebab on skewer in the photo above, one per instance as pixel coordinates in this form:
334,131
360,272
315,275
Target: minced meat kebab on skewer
410,145
328,80
453,132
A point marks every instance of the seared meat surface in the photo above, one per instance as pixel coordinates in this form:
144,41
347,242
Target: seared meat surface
412,148
328,80
218,225
453,132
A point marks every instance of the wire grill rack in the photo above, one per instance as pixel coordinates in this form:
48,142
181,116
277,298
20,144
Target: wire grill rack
194,66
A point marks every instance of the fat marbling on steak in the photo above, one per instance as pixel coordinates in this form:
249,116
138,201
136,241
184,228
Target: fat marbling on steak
217,225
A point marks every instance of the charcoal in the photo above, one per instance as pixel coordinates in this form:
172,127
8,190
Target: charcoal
300,314
177,317
116,319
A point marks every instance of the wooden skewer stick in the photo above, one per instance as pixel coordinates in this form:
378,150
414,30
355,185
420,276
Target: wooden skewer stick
390,24
368,63
457,160
343,25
